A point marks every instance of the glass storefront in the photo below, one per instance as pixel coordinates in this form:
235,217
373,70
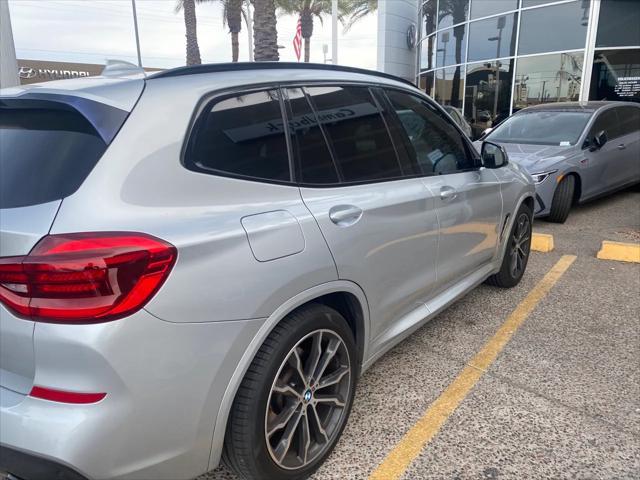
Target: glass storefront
489,58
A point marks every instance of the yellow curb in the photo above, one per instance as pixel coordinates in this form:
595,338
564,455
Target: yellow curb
542,242
622,252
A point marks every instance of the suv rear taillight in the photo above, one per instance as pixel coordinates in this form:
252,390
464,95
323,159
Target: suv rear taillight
85,277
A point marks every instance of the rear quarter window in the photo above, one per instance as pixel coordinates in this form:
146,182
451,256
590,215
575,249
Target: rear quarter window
45,154
241,136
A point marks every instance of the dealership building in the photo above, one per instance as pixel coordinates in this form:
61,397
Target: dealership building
489,58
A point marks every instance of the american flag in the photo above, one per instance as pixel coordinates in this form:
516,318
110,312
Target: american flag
297,40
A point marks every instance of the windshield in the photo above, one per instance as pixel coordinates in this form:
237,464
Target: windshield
542,128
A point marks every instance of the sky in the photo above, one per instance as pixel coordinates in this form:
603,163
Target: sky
91,31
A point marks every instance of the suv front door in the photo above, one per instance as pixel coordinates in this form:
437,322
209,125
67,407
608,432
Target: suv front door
381,226
467,196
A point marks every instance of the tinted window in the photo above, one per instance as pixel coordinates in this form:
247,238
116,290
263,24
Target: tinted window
355,128
608,122
616,75
493,38
437,145
484,8
45,155
243,136
618,23
314,161
567,22
488,94
629,118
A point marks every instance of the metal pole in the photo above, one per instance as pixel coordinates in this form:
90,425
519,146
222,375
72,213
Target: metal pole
135,27
334,32
250,30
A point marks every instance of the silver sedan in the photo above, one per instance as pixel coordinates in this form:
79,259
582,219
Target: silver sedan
574,151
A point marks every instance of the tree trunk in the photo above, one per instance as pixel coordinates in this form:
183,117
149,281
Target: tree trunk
265,35
307,49
458,34
234,21
193,51
235,47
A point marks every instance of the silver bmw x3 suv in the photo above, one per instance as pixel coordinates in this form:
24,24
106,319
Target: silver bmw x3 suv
200,264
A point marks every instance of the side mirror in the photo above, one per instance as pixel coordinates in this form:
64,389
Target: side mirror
600,139
493,155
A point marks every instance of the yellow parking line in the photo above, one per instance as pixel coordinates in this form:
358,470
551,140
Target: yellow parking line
622,252
542,242
410,446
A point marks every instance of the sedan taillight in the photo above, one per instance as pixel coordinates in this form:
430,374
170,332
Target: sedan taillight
85,277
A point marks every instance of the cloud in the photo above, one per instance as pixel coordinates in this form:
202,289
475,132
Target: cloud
92,31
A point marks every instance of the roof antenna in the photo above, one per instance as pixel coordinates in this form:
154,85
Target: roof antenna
120,68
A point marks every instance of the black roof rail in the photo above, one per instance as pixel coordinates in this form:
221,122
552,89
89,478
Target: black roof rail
240,66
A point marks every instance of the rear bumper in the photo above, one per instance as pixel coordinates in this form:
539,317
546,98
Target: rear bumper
164,383
25,466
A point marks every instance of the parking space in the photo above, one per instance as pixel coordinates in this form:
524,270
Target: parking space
561,400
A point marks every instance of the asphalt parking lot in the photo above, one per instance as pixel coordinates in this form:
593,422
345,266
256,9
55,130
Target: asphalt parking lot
561,399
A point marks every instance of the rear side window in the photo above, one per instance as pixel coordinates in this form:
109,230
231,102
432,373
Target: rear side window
437,145
629,120
357,133
45,154
315,164
241,136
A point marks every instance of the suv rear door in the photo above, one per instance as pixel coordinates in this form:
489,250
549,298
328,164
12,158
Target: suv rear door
380,225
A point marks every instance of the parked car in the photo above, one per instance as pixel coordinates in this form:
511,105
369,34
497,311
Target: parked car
201,263
457,117
574,151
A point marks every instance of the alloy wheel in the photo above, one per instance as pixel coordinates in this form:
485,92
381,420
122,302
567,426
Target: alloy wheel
308,400
520,245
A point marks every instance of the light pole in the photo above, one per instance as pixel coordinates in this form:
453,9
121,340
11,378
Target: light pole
249,21
498,39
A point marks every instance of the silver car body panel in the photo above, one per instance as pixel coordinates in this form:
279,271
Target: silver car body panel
249,253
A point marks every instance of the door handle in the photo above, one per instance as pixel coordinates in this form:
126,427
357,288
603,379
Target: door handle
345,215
622,146
448,193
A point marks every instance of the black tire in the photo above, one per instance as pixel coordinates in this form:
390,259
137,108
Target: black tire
562,200
507,277
246,449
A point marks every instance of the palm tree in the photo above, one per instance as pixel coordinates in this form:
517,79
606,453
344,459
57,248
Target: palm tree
351,11
306,10
190,23
458,11
265,35
233,14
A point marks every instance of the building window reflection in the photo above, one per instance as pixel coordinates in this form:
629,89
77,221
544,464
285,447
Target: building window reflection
452,12
452,46
616,75
493,38
449,86
547,78
429,17
426,83
487,94
427,53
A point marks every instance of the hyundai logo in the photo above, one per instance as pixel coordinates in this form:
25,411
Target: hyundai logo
27,72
